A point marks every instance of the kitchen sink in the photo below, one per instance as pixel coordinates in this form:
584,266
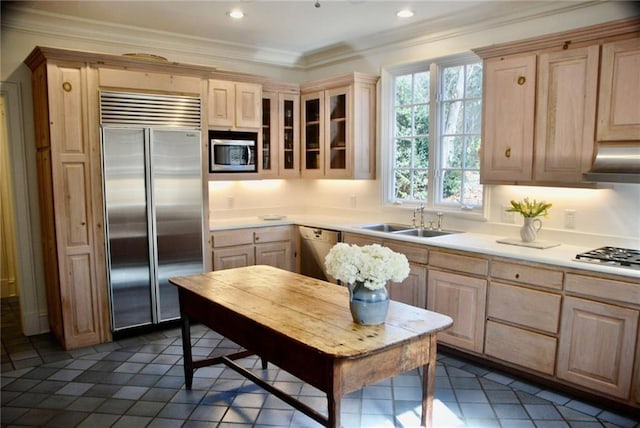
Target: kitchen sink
424,233
406,230
386,227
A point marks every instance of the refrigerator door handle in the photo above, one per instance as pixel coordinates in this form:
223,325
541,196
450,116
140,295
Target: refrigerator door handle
152,224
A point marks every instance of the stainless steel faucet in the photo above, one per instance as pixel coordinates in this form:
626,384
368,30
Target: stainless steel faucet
440,215
419,209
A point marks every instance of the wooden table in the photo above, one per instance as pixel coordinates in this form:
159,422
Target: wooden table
304,326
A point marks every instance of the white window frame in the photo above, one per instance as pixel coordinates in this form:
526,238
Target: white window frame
388,75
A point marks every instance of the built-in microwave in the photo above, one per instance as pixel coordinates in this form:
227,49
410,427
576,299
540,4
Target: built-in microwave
232,151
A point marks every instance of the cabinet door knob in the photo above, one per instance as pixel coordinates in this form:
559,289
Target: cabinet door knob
66,86
521,80
507,153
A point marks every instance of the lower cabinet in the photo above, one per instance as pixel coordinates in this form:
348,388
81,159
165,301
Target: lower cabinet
462,298
597,346
272,246
458,287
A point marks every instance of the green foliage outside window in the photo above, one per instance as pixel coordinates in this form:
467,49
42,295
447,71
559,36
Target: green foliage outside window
459,112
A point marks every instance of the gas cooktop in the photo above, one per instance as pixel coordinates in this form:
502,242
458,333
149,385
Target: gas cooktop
612,256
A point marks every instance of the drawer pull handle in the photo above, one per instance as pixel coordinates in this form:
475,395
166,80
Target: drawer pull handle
521,80
507,153
517,276
66,86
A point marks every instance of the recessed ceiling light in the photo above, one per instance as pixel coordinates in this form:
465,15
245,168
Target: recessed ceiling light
405,13
236,14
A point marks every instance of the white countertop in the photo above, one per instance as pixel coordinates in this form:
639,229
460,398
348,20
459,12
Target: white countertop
561,255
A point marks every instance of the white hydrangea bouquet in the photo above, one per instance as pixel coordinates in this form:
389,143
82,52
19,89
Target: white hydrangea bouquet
373,265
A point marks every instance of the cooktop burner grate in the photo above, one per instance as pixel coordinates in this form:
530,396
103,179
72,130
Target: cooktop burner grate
612,255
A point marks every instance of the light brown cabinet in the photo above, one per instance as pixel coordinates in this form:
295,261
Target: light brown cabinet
234,104
457,287
272,246
539,122
280,132
70,196
618,112
597,346
541,102
522,320
338,127
509,107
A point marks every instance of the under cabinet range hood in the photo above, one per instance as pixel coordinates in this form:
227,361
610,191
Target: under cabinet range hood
616,162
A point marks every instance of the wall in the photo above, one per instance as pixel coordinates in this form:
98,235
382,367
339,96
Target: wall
608,213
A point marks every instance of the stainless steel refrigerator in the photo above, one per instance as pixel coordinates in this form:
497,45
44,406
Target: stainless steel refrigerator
154,211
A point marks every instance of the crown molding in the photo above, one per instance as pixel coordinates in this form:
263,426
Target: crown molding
212,52
132,39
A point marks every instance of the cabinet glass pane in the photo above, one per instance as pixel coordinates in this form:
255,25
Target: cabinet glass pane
266,133
338,132
288,135
312,134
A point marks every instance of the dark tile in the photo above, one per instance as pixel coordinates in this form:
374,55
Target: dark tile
86,404
66,419
145,408
177,411
102,391
115,406
37,417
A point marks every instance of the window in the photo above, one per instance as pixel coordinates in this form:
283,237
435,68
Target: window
437,116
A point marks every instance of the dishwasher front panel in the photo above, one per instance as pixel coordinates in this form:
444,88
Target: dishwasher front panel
314,246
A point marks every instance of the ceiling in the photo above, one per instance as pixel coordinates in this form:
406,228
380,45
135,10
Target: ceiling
294,27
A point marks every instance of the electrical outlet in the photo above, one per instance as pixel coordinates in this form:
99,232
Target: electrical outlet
570,219
507,217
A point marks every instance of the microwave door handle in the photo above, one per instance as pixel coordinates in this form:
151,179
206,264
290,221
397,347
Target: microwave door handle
249,157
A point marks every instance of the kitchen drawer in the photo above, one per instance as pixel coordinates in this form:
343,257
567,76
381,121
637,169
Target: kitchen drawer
414,253
525,274
459,263
357,239
522,347
273,234
530,308
608,289
229,238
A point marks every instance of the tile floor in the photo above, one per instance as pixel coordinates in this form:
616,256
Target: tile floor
138,382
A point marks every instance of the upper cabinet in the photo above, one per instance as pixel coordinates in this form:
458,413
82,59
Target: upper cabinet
338,127
280,155
541,99
234,104
618,111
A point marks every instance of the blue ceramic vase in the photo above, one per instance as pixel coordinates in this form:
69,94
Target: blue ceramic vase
368,307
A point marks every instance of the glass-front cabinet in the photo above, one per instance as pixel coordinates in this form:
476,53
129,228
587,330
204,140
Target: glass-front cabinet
313,135
280,154
338,127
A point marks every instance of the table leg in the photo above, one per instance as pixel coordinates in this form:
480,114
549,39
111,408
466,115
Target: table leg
333,401
187,359
428,385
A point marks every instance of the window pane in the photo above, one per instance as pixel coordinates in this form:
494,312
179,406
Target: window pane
453,83
403,122
452,152
452,117
421,157
472,158
403,90
421,87
451,185
422,119
472,193
420,185
402,184
403,154
472,116
474,80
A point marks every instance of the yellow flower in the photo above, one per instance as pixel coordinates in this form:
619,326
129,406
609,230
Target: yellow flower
530,209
